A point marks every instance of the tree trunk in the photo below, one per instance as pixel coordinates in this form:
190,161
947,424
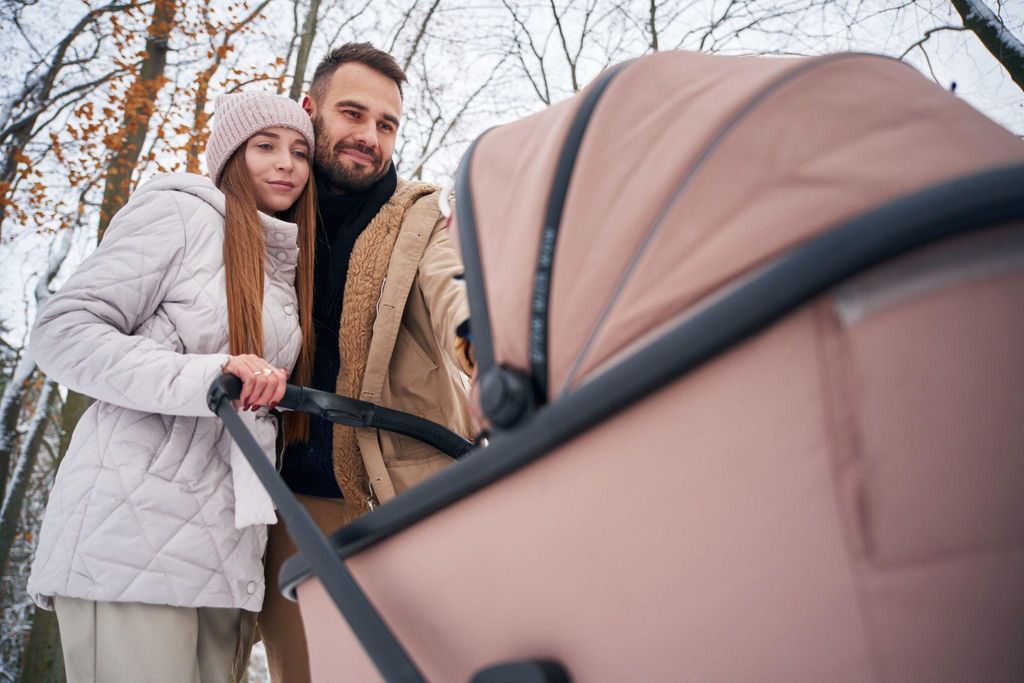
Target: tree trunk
140,102
9,164
74,406
199,134
14,501
308,33
42,660
14,390
993,34
10,411
653,25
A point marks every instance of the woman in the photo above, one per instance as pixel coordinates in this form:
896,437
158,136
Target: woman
151,547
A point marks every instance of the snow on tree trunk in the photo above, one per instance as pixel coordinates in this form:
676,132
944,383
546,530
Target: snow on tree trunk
10,411
10,513
14,391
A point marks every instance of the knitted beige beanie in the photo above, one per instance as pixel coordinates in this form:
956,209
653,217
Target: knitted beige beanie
239,116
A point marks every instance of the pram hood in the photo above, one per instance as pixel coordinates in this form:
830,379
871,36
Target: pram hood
694,170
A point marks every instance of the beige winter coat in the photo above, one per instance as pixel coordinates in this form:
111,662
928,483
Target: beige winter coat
402,305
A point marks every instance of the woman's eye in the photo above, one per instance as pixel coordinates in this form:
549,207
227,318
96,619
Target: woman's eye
300,153
265,146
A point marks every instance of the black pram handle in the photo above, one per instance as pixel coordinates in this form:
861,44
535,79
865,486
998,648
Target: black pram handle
351,412
379,642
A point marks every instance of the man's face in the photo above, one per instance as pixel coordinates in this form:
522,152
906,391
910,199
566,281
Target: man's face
356,122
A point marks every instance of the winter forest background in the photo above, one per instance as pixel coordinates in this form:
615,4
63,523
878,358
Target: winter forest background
96,97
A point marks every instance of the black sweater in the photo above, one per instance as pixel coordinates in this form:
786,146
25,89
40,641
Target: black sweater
307,467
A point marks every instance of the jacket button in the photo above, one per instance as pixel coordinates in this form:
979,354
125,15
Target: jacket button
250,587
281,256
279,237
288,310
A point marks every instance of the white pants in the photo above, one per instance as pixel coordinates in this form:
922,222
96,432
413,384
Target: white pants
122,642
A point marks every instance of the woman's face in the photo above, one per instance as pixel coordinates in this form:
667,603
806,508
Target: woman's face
278,163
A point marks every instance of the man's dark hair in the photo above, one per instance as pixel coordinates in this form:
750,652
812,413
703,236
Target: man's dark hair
363,53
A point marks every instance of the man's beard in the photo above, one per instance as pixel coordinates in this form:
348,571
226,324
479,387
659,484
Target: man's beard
338,174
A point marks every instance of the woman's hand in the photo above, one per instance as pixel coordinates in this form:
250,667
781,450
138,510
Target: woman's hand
262,383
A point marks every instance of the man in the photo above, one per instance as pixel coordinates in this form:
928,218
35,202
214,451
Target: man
386,309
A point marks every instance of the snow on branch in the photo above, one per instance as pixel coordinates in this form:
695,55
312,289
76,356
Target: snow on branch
53,267
997,39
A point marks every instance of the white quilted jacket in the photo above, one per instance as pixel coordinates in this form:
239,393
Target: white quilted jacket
142,509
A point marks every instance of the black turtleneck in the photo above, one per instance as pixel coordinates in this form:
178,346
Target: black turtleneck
307,467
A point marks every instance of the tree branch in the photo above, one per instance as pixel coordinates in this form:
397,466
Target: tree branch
993,34
419,35
928,34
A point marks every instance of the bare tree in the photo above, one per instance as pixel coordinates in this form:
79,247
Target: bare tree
994,35
140,102
349,19
10,413
14,391
31,444
560,47
529,53
219,49
305,44
418,39
37,98
436,129
572,55
30,441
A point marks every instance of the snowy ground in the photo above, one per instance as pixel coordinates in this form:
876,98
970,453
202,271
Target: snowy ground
257,672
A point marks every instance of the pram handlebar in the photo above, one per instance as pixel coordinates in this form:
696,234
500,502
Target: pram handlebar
351,412
380,643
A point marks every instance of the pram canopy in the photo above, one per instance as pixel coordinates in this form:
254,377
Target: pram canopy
692,171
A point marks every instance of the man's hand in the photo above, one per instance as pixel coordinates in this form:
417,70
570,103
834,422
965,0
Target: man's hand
480,422
464,354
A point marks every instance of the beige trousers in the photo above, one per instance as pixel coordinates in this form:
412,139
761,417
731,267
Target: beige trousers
280,623
130,642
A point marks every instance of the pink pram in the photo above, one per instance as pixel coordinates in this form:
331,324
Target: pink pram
750,334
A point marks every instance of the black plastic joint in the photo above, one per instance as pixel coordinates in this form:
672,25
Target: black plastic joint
524,671
506,396
225,387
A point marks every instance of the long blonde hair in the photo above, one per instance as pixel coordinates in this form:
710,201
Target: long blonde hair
244,254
